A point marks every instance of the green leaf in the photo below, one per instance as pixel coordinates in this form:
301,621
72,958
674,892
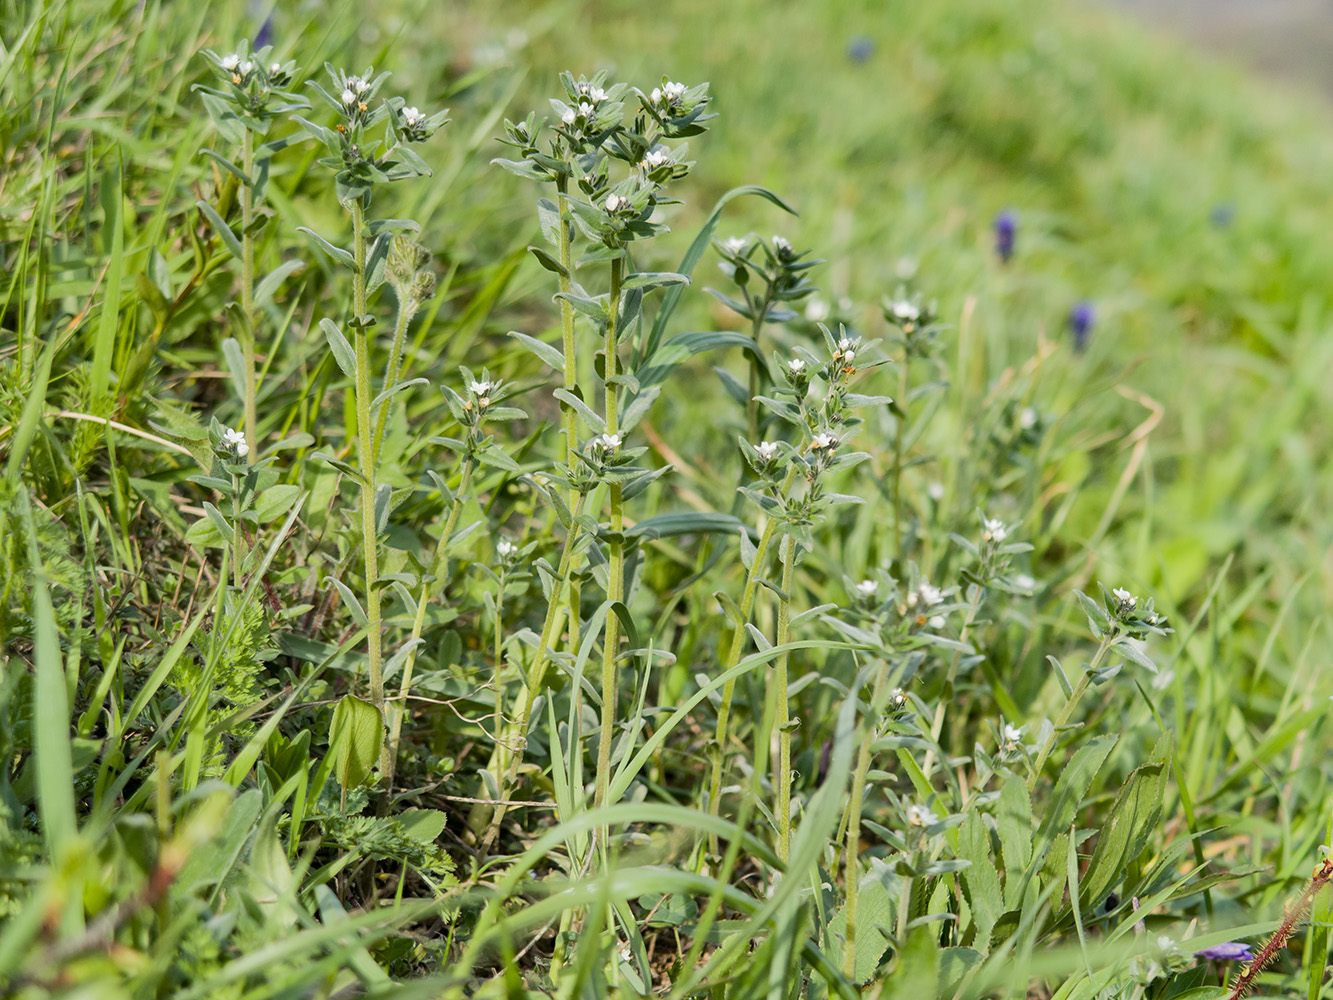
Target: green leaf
226,165
548,262
338,344
423,825
981,882
687,523
355,738
1070,789
590,418
266,289
343,257
221,228
547,352
235,358
654,279
1125,832
274,502
1014,821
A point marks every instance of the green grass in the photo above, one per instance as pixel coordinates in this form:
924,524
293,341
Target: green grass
217,842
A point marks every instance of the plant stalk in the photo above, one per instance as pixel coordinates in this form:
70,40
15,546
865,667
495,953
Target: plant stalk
850,876
246,194
783,708
1049,744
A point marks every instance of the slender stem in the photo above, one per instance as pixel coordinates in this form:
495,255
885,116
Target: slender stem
507,761
737,646
975,594
1048,745
366,450
406,309
246,194
898,458
850,876
568,417
784,731
759,316
434,575
238,536
615,585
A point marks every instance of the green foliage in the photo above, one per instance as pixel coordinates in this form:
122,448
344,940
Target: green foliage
308,562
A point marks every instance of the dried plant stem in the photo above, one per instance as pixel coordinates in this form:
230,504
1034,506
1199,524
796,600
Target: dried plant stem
1291,916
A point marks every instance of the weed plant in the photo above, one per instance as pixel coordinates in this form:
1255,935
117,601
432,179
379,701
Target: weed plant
575,633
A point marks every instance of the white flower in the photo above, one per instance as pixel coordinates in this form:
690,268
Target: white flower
357,84
481,388
246,67
847,344
781,245
935,491
609,442
918,815
867,588
824,440
897,697
275,69
904,310
1028,418
348,97
656,95
231,61
234,441
568,116
796,366
616,203
412,117
586,110
816,310
848,357
995,530
1012,734
930,596
504,549
733,244
1124,597
595,94
655,158
766,450
936,622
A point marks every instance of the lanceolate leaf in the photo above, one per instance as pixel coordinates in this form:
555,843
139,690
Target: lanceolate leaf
355,737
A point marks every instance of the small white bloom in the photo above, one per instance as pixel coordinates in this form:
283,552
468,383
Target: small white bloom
246,67
1028,418
816,310
846,344
231,61
897,697
912,600
766,450
674,91
995,530
616,203
656,95
275,68
235,441
930,596
504,549
568,116
824,440
1124,596
1012,734
935,491
348,97
357,84
918,815
936,622
781,245
655,158
412,117
867,588
848,357
586,110
596,94
609,442
904,310
796,366
734,244
481,388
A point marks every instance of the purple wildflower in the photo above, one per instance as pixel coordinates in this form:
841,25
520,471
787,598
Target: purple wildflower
1081,319
1006,226
1229,951
860,48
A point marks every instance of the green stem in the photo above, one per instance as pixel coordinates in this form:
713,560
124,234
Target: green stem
1107,642
246,194
615,585
434,575
568,417
850,875
366,451
898,459
784,731
975,595
735,649
238,536
406,310
759,315
506,763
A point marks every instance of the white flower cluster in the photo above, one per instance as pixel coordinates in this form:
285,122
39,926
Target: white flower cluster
413,118
235,64
824,440
1125,598
846,351
655,158
904,311
672,92
505,549
607,442
781,245
734,244
594,94
616,203
919,815
994,530
766,450
866,588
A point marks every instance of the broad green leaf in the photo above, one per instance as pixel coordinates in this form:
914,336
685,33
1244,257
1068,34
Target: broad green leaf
339,345
355,737
981,881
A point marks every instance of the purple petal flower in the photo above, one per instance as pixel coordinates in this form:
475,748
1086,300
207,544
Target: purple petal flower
860,48
1229,951
1081,319
1006,227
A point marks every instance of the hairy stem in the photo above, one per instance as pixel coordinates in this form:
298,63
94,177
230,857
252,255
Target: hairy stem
1049,743
433,576
783,709
615,584
246,194
735,649
406,309
569,419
